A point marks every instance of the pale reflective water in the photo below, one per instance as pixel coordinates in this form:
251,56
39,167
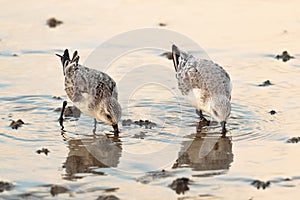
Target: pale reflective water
144,162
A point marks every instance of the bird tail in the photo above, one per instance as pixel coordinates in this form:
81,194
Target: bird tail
179,57
175,56
65,59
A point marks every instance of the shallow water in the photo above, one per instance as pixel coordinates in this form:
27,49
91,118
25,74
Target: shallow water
144,162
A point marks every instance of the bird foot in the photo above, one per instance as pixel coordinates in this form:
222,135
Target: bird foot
201,116
204,121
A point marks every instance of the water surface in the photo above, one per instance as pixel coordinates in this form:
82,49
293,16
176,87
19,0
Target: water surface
243,38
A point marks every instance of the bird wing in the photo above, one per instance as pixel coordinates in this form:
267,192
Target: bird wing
204,75
213,76
83,82
97,84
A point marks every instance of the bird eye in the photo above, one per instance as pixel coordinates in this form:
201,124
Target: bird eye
108,116
215,113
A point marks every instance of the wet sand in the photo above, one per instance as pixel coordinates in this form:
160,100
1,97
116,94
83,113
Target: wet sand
257,160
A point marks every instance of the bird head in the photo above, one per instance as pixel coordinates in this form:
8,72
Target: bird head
220,108
110,112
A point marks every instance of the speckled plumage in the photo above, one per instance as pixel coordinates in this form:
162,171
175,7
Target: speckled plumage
205,84
93,92
82,82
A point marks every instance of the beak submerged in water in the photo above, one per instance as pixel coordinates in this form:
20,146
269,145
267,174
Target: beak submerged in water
223,124
116,130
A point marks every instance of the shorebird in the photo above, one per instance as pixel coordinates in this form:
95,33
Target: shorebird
204,84
93,92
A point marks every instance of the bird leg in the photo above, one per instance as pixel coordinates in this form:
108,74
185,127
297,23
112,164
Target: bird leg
95,126
61,118
199,127
223,124
199,112
116,130
203,121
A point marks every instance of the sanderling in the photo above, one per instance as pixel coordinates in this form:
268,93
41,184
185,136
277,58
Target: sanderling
92,92
204,84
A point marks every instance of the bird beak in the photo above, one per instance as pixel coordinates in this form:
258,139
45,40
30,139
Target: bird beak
116,130
223,123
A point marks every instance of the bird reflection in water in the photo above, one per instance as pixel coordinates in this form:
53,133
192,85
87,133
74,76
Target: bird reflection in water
207,151
88,154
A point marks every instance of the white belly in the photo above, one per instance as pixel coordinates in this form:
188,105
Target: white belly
83,106
195,98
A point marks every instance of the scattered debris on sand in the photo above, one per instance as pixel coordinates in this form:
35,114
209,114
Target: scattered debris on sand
266,83
180,185
52,22
127,122
70,111
16,124
4,186
56,97
145,123
285,56
8,54
260,184
140,135
167,54
162,24
28,195
293,140
57,109
57,189
111,189
272,112
152,176
43,150
107,197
